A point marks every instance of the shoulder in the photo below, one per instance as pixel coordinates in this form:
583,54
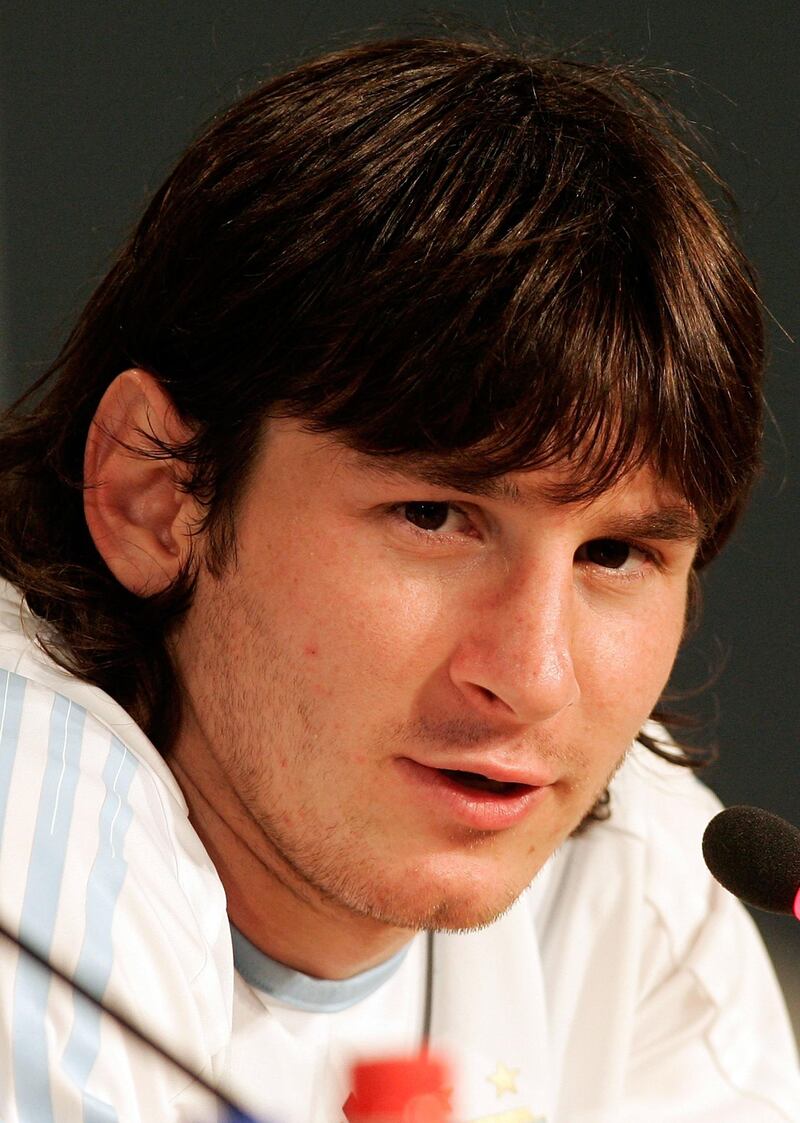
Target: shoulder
645,862
100,868
638,882
663,808
642,949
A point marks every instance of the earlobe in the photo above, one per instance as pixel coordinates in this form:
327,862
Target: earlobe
140,518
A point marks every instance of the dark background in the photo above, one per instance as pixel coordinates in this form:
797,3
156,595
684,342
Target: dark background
99,97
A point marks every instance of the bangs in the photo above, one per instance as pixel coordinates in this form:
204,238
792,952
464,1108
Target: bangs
561,292
588,350
495,262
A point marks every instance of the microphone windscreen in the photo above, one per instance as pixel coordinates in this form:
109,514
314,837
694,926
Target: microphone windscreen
756,856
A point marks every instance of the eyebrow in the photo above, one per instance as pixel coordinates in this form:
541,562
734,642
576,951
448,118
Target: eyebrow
665,524
673,522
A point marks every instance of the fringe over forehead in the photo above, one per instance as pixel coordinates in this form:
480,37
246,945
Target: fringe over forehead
544,278
450,250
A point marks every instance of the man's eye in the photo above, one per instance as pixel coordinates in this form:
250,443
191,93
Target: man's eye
427,516
610,553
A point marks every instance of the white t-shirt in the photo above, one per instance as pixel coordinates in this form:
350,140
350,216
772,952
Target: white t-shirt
624,986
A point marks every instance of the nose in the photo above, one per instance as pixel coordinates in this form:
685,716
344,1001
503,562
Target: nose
517,658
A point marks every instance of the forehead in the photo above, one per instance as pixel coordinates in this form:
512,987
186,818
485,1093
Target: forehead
637,502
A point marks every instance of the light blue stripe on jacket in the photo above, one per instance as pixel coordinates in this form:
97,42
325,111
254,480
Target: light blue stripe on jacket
12,689
96,956
39,910
12,693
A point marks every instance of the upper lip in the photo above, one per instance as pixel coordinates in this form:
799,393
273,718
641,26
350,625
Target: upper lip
504,772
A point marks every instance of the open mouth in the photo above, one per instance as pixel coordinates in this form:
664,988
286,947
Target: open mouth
473,799
478,782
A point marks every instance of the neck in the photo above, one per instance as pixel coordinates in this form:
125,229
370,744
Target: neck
281,913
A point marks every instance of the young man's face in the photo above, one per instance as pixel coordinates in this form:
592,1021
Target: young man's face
382,643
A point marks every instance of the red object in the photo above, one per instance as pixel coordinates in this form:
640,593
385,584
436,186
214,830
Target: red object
399,1090
797,905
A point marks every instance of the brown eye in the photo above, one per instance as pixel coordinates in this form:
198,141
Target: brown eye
607,552
427,516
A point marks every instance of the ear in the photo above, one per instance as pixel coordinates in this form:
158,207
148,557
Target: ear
140,519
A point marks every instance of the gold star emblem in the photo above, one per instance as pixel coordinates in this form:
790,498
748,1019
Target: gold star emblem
504,1078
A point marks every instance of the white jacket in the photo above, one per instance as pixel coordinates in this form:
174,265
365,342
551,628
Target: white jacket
624,986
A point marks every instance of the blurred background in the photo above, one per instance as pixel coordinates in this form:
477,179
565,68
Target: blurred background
98,98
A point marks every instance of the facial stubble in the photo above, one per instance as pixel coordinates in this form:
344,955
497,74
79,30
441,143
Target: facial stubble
334,866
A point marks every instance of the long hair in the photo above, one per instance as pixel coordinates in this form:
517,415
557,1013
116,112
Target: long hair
428,247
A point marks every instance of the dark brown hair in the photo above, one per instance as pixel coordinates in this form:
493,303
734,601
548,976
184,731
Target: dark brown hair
431,247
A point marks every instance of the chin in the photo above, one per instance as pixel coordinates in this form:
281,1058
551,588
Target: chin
420,902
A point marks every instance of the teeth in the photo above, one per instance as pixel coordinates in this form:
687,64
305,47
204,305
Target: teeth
476,780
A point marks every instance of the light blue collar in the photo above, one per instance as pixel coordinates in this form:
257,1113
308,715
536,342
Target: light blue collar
304,992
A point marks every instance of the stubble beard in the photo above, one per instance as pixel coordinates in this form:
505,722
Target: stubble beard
412,898
406,899
332,868
330,864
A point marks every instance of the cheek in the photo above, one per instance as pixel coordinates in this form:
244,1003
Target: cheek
348,620
631,663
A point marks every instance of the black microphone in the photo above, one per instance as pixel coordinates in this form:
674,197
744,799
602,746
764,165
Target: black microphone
756,856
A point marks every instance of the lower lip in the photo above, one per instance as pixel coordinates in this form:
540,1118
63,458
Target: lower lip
471,807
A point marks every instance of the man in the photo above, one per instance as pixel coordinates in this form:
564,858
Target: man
357,529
